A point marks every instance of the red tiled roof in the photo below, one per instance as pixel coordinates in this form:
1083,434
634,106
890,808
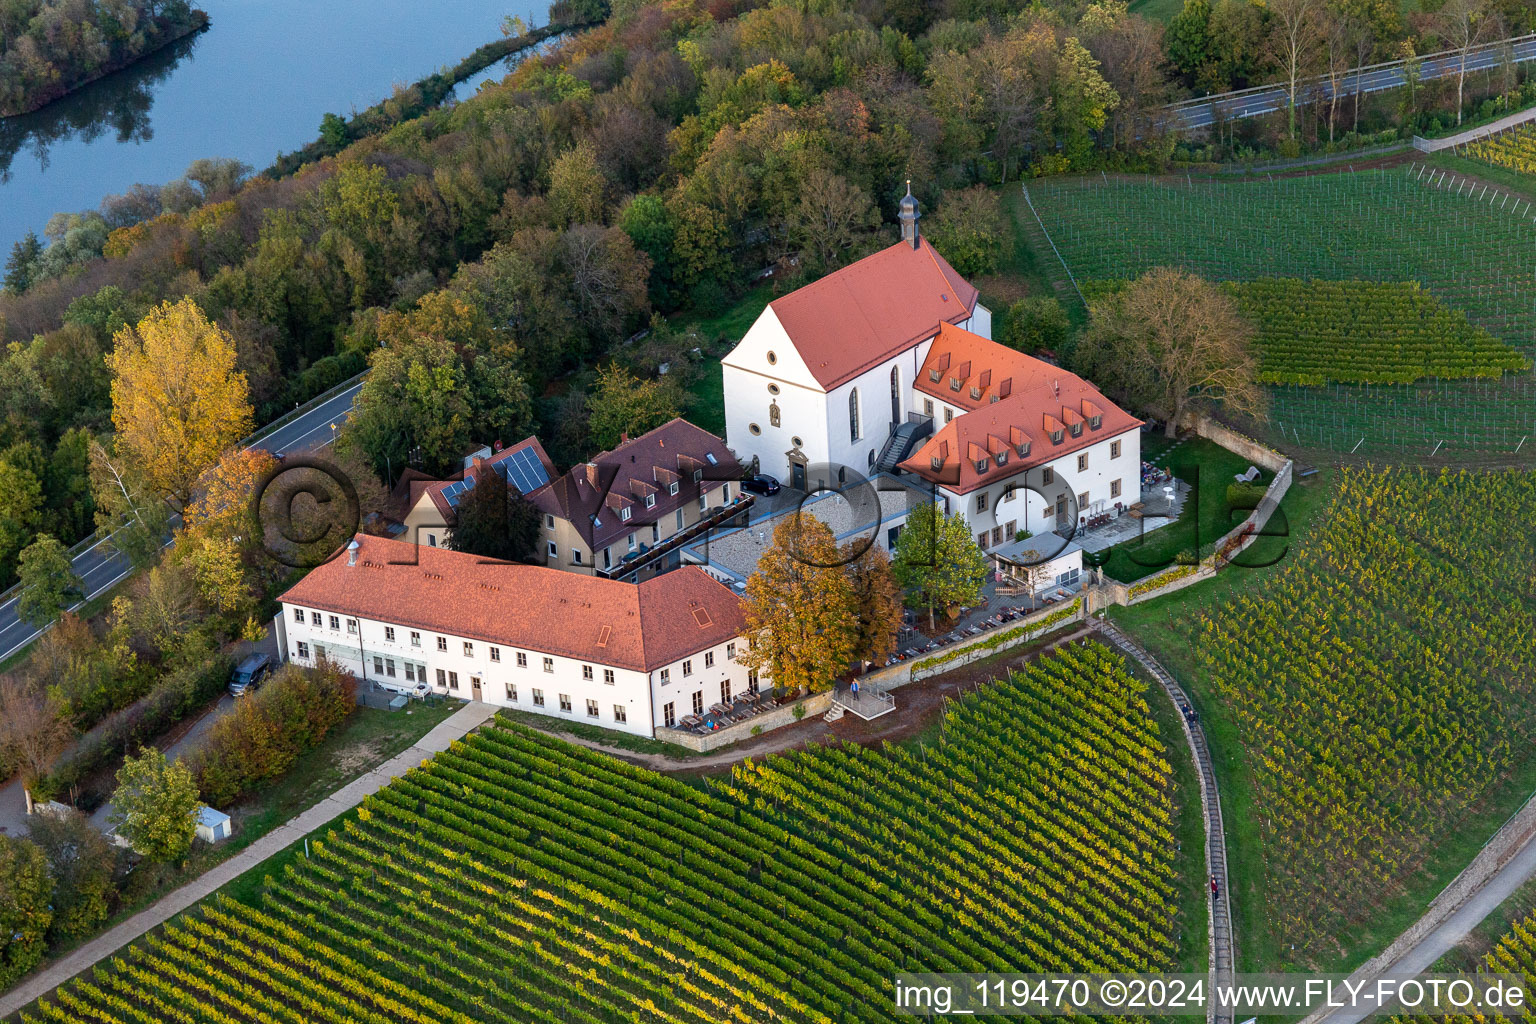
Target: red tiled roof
966,361
868,311
1042,398
636,626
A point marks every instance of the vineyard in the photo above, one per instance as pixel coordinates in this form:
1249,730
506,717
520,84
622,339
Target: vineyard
1515,149
1514,953
1471,248
1362,332
518,878
1382,685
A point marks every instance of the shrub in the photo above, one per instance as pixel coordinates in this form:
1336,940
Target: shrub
1036,323
269,729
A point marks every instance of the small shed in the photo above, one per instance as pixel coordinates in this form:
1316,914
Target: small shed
212,826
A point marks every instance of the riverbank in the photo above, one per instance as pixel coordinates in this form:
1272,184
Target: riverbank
412,101
169,33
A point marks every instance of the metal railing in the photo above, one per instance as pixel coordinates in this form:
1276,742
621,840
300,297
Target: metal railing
1356,72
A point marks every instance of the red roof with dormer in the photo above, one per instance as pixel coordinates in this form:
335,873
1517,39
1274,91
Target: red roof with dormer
867,312
1016,412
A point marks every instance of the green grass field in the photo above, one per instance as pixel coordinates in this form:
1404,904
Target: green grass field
1206,517
1472,251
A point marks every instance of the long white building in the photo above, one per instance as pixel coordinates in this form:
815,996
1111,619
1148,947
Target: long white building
630,657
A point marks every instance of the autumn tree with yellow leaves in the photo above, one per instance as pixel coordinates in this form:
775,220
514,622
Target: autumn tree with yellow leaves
802,612
178,403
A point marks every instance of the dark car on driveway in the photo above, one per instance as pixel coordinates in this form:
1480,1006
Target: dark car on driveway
253,668
761,484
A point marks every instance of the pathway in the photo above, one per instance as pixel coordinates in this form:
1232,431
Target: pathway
1424,145
1504,864
344,799
1223,941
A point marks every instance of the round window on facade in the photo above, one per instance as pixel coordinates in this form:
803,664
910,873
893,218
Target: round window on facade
755,429
796,442
772,359
773,389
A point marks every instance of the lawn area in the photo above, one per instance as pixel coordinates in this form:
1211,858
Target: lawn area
706,398
1157,10
1356,692
1208,468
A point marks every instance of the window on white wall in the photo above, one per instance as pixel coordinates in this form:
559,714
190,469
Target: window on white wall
669,714
303,649
620,713
298,616
853,415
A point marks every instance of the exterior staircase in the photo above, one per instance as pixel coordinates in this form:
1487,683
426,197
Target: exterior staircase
903,441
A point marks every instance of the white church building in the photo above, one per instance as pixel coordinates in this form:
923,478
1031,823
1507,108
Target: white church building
888,365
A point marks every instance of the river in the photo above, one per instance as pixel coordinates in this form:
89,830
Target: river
255,83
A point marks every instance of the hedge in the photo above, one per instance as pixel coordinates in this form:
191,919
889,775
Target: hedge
1005,637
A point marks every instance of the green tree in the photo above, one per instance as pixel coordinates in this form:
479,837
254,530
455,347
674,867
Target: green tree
22,263
968,229
82,863
1170,342
1036,323
937,561
21,499
25,890
48,582
577,187
877,596
622,403
495,521
802,615
127,510
333,131
1188,39
155,806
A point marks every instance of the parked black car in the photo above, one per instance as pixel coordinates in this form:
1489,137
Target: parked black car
761,484
253,668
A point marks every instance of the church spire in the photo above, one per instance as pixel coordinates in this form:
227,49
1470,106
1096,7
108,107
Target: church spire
908,216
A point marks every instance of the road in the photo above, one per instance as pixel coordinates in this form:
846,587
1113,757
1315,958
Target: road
100,566
1374,78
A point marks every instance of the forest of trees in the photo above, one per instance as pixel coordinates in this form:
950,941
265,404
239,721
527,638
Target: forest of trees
48,47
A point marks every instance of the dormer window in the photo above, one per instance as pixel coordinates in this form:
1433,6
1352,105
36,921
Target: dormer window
992,399
1001,458
650,501
981,465
936,462
698,475
1077,429
1023,449
672,488
934,375
975,392
624,513
1056,436
954,383
1095,422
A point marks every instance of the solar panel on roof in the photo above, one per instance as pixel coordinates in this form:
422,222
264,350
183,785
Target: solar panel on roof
525,470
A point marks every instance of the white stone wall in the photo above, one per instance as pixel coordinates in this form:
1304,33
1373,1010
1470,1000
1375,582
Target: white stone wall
638,693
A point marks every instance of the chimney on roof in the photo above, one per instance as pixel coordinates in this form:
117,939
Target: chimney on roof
623,437
908,216
352,550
